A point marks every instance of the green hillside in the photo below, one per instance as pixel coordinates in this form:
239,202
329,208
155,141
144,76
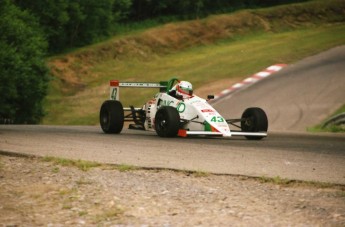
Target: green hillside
212,53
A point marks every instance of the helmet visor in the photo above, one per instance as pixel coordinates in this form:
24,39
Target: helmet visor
186,90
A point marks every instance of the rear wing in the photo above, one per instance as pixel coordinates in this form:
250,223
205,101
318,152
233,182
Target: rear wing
115,87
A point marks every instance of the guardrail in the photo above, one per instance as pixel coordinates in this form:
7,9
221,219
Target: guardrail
6,121
338,119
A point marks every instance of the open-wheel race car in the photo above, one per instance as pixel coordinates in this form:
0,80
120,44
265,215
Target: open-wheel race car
176,111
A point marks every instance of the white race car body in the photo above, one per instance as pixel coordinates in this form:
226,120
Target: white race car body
200,117
195,116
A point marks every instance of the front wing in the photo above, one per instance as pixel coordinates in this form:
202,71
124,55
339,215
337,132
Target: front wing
185,133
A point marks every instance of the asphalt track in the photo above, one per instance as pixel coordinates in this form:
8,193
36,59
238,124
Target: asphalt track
289,153
292,156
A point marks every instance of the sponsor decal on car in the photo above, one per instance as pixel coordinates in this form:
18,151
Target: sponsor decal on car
136,84
207,110
181,107
167,102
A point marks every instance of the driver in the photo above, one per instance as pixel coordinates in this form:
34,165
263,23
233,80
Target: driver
182,90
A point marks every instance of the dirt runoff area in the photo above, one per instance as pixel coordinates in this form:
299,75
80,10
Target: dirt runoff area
39,192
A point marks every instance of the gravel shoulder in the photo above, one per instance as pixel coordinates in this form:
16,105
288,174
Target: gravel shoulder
34,192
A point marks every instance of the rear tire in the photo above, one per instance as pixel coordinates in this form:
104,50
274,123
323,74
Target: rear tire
167,121
254,120
111,117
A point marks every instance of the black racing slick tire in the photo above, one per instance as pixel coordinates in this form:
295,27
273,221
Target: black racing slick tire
167,121
254,119
111,117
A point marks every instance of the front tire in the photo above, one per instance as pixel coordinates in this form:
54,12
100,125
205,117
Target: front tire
254,120
111,116
167,121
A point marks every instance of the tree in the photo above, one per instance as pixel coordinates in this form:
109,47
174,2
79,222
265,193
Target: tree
23,73
98,21
52,17
75,23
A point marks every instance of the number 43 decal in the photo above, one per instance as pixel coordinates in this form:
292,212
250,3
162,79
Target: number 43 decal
217,119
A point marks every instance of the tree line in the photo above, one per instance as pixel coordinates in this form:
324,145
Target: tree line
74,23
32,30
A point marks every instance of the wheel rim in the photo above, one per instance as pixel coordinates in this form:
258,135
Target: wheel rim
105,119
248,124
161,123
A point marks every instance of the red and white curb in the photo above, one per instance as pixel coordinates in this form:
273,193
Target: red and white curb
250,80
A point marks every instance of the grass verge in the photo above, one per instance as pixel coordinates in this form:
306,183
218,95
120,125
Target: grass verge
86,165
80,164
277,180
196,174
331,127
